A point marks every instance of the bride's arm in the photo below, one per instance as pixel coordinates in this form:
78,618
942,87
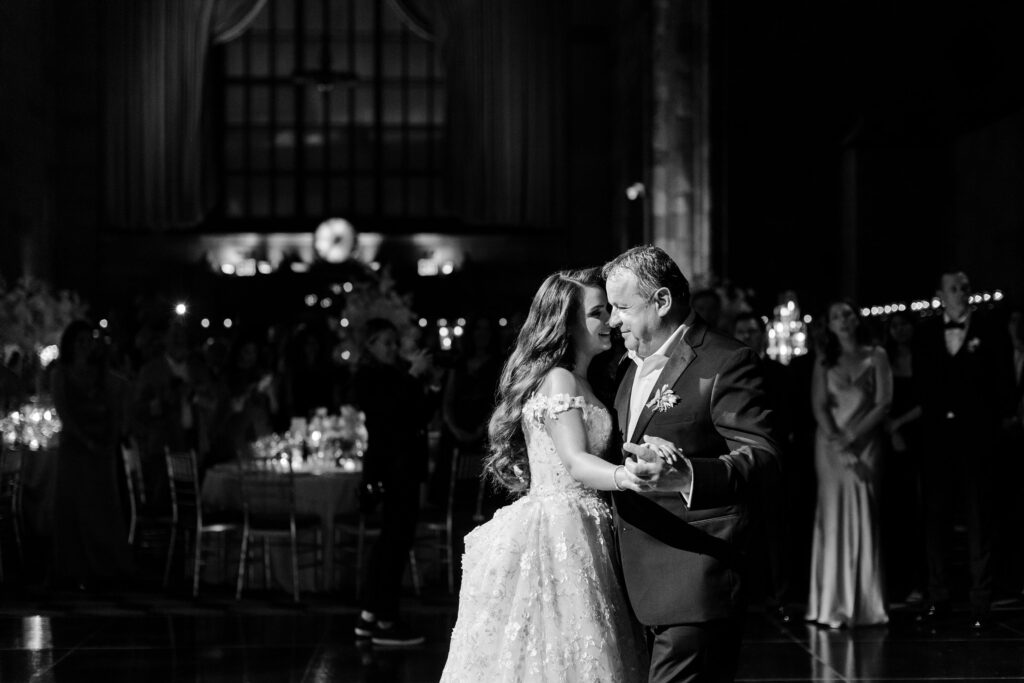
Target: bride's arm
569,435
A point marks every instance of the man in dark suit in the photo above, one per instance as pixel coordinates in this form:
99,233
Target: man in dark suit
692,397
964,365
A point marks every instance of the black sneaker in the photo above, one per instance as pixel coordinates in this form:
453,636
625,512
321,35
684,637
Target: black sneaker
397,634
365,628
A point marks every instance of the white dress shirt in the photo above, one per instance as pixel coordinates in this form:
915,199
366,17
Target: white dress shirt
955,338
646,378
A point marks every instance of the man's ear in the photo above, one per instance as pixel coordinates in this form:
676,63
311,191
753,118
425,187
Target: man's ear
663,300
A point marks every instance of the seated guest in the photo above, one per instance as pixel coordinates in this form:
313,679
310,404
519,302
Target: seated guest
90,539
309,377
162,414
251,399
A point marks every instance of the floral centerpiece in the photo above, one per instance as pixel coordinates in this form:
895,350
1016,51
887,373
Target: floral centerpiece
327,442
35,426
32,318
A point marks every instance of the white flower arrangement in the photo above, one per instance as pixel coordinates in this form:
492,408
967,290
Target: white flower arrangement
973,344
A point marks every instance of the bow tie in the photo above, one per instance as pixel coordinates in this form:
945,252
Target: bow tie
950,325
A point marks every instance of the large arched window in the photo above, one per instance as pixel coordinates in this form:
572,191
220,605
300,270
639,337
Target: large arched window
331,107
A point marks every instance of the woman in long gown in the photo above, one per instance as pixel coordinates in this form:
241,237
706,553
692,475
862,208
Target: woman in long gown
851,393
90,539
540,598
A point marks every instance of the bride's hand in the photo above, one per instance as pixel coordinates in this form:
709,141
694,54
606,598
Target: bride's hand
627,481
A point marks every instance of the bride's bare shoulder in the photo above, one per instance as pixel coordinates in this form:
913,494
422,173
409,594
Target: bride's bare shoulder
559,381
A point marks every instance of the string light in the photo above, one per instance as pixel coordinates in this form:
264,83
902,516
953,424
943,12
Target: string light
926,305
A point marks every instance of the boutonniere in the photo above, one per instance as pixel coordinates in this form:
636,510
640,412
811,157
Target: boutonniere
973,344
664,399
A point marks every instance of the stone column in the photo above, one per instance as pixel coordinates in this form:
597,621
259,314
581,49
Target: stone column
679,186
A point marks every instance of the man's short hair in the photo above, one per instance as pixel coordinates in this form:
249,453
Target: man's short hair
653,269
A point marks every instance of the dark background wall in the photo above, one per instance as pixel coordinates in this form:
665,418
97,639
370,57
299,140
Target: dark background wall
867,145
857,148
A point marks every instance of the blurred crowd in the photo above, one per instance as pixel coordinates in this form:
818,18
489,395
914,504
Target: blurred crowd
929,446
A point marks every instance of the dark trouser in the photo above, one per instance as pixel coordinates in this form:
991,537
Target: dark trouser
399,512
695,653
959,471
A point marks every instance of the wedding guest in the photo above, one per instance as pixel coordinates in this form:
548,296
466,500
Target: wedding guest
1014,431
251,398
798,468
708,305
162,413
11,393
902,505
309,376
965,365
770,559
90,539
1009,548
209,405
398,405
466,405
851,394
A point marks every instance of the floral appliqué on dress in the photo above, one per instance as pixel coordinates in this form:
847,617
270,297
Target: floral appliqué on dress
540,598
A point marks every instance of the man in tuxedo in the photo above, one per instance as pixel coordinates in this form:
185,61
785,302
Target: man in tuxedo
693,397
964,366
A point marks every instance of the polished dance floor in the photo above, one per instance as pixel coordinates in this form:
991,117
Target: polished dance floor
150,637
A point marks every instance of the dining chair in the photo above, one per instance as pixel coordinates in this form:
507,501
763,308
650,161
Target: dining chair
269,515
352,533
10,500
189,518
145,530
436,533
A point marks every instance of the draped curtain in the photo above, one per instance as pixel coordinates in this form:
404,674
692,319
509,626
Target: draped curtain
155,67
506,75
506,64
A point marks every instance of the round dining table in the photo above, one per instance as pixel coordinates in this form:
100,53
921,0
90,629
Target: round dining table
328,494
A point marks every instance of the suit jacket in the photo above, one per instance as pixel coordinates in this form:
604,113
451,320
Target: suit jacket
975,386
682,564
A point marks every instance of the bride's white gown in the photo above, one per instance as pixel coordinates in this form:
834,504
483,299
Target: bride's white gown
541,599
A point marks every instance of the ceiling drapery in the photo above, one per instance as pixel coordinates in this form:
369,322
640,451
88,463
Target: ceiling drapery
506,64
154,72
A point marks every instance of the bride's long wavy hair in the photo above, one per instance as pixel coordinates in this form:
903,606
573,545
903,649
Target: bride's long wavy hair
543,343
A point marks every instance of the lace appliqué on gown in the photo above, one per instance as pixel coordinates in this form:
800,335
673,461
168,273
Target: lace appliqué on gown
540,598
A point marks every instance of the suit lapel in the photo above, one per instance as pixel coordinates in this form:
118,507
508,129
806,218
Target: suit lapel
682,355
622,397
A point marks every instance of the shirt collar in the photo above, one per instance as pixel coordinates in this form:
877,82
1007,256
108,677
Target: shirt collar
947,318
669,343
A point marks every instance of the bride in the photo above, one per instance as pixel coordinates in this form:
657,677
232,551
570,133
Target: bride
540,598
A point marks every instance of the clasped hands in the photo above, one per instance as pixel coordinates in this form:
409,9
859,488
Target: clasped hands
658,465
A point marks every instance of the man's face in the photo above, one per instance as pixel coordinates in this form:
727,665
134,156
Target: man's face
749,333
635,316
955,290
